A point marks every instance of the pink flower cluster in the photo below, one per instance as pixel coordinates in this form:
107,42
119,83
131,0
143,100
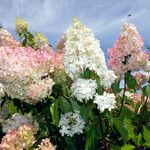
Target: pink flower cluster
60,51
141,78
46,145
136,99
127,53
26,72
22,138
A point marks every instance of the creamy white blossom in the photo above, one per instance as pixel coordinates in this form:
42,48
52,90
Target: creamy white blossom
83,89
71,123
82,50
108,79
105,101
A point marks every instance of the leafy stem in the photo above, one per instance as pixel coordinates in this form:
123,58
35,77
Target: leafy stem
100,119
123,96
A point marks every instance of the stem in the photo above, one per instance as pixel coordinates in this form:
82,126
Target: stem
124,90
146,100
101,128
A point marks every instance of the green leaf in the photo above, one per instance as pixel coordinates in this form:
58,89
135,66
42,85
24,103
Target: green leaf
143,92
89,74
146,144
118,123
127,113
90,139
137,106
130,128
54,112
146,134
86,111
127,147
93,135
64,105
86,74
130,81
57,90
12,107
115,147
129,101
99,89
115,87
70,143
148,90
139,139
75,104
24,42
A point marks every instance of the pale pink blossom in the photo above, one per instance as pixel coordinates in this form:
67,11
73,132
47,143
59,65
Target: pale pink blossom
127,53
22,138
46,145
21,67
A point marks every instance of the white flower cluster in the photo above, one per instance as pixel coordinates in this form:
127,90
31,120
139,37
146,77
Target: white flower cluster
71,123
83,89
17,120
105,101
83,51
108,79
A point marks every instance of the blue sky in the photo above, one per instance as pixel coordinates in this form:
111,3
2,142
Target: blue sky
53,17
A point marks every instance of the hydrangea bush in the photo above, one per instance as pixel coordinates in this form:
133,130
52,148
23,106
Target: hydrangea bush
71,98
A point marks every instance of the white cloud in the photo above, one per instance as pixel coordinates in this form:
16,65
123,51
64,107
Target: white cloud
54,16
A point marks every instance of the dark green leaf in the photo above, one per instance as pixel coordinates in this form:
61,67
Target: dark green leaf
130,81
70,143
57,90
126,112
64,105
115,87
118,123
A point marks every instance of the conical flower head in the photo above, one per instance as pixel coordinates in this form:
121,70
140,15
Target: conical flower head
21,25
127,53
82,50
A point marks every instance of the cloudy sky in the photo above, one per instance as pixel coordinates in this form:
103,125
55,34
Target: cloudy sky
53,17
